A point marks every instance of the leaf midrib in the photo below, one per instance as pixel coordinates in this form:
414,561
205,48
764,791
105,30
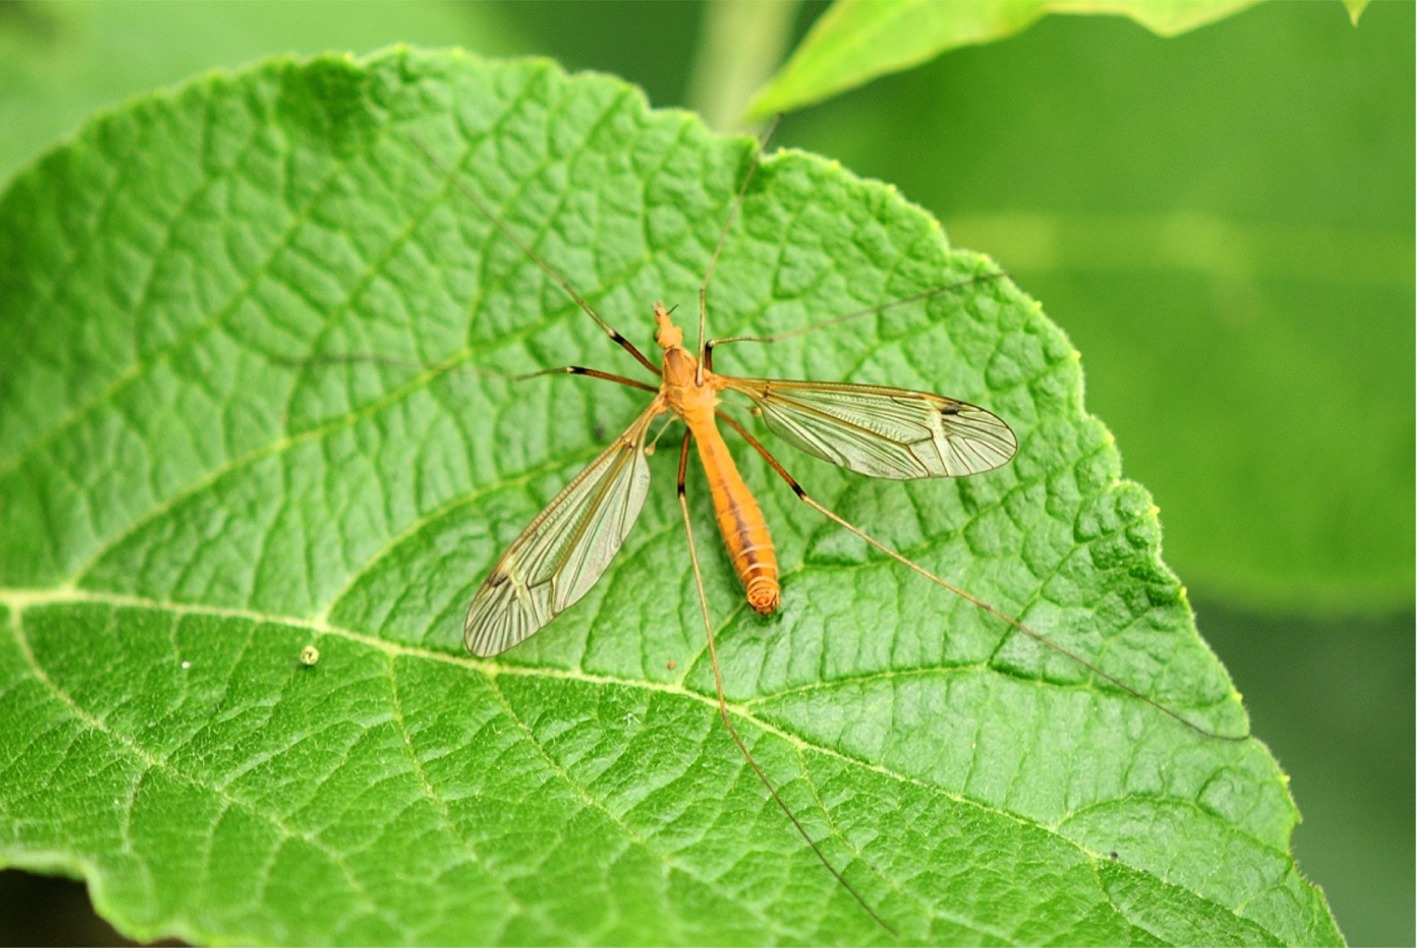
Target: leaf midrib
21,600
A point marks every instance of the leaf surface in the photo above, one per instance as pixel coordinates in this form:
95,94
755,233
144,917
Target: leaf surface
1224,291
197,482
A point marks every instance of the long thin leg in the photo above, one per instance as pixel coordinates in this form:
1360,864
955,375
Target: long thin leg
723,236
350,360
514,376
1038,637
835,320
588,373
551,271
723,703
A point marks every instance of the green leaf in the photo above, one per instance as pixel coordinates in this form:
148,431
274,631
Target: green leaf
857,40
61,61
193,491
1224,290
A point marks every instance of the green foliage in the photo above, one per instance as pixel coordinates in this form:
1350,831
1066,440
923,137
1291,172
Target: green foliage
59,62
1221,223
191,496
858,40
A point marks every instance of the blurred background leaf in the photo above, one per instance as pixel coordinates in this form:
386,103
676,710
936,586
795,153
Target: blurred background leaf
857,40
1221,220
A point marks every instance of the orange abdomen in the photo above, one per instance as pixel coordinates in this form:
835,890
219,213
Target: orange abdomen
741,522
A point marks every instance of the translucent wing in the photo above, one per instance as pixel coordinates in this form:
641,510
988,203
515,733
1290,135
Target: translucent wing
562,553
881,431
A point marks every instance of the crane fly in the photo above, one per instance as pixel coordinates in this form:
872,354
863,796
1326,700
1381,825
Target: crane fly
874,430
868,429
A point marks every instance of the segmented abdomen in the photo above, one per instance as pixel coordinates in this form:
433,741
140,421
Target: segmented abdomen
741,522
